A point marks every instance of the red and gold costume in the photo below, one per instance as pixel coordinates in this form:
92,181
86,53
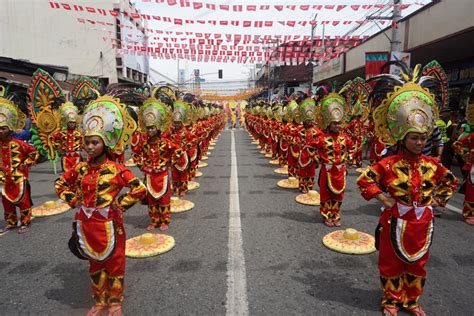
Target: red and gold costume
16,159
69,144
465,148
414,184
307,160
376,147
357,92
118,157
68,141
183,139
334,151
155,157
99,221
95,190
192,150
357,131
406,228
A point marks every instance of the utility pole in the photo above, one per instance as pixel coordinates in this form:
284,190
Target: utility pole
396,42
311,60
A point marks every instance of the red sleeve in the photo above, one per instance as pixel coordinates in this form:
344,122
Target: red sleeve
369,181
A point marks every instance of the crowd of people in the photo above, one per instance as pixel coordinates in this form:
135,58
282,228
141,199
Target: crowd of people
401,123
412,137
168,138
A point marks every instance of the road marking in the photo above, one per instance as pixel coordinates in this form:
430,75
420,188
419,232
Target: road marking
237,303
454,209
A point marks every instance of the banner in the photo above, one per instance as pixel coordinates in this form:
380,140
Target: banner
374,62
263,38
197,5
180,21
401,57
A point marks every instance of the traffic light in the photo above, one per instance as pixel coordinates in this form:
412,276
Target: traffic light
220,73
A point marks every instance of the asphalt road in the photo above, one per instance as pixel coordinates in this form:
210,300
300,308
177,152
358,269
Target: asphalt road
288,271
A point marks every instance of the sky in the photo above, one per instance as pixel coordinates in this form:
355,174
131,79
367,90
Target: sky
235,76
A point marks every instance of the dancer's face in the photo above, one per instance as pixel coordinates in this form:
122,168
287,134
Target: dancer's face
335,127
152,131
415,142
4,132
71,126
94,146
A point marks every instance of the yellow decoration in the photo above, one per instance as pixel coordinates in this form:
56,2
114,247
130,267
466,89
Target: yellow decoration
350,241
310,198
148,245
290,183
50,208
193,185
179,205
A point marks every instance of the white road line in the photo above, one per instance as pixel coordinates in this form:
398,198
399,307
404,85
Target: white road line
454,209
237,303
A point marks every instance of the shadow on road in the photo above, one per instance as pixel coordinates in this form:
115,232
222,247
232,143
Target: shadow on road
327,286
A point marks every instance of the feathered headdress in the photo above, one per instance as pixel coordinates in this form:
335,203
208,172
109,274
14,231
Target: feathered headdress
407,103
332,106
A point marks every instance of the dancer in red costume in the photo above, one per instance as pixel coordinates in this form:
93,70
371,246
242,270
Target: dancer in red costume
182,138
408,184
292,134
94,188
465,148
307,160
68,141
334,150
16,157
154,154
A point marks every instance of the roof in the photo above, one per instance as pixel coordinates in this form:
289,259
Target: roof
24,80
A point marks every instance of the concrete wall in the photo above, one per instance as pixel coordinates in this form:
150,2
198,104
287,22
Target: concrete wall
355,58
32,30
443,19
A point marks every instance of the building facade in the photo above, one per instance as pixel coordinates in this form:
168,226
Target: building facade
39,32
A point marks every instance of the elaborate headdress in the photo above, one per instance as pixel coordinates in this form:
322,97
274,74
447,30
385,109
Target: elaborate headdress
180,112
84,91
107,118
10,115
69,113
155,113
306,109
292,111
357,97
332,107
279,111
165,94
45,98
411,102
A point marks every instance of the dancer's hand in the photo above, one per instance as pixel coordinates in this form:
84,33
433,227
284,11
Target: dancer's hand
387,201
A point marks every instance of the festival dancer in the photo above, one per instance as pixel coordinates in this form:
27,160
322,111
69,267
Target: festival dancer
334,150
154,154
307,161
409,185
357,92
292,135
464,147
16,157
94,188
181,138
68,140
